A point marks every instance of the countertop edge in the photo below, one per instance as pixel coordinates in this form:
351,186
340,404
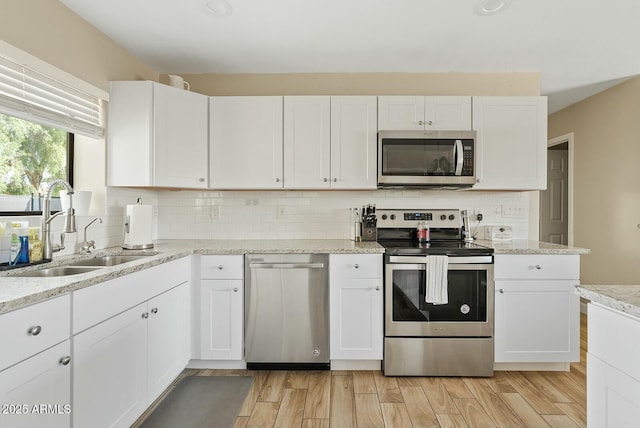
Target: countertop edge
607,295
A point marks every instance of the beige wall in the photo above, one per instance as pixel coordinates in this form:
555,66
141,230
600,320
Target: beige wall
606,131
365,84
50,31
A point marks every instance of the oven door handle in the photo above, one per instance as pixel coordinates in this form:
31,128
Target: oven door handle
453,260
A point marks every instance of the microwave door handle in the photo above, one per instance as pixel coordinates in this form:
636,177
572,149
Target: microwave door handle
458,156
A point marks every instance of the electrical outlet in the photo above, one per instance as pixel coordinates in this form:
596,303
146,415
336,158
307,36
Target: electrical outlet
214,213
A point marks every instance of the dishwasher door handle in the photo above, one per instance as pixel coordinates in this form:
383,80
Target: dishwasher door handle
286,265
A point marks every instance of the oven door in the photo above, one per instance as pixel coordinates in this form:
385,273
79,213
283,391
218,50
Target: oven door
469,312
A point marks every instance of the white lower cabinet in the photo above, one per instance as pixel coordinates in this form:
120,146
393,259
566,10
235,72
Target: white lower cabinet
613,373
537,312
37,392
356,310
123,364
221,308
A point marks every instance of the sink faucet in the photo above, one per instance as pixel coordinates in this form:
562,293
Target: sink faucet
88,245
48,248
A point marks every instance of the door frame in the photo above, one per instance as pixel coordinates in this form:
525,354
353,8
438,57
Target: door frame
566,138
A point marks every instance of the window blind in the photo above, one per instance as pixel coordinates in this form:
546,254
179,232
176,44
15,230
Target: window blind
30,95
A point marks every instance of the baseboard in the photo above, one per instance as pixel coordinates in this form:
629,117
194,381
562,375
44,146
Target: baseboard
215,364
528,367
355,364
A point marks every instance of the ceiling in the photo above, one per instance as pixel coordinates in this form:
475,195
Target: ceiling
580,47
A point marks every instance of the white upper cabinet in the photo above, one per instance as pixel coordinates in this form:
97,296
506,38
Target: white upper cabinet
157,136
245,142
307,142
330,142
353,142
400,113
511,142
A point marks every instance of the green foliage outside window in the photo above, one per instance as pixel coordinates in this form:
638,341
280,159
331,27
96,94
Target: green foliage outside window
30,155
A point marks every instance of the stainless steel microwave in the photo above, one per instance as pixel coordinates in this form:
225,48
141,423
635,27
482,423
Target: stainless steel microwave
413,159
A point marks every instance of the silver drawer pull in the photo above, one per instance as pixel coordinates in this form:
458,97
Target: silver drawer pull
65,360
154,310
145,315
501,291
538,267
356,266
220,267
377,288
235,289
34,331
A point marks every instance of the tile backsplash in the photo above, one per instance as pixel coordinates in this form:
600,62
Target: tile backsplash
273,214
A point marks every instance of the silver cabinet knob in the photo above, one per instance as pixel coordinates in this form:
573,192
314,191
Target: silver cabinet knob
501,291
145,315
34,330
235,289
325,179
335,180
378,288
154,310
220,267
201,180
277,180
429,122
356,266
538,267
64,360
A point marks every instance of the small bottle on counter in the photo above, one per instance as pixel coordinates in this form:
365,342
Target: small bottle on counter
423,232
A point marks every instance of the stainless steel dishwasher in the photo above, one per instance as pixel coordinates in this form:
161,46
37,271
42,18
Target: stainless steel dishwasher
287,311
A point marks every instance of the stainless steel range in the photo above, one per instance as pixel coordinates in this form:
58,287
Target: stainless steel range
435,339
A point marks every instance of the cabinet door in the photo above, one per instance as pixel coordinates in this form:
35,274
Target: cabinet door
167,338
181,138
613,397
356,319
447,113
353,142
307,142
221,306
511,142
245,142
537,321
399,113
37,392
110,371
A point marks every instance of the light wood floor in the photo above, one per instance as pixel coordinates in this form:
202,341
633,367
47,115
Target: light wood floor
341,399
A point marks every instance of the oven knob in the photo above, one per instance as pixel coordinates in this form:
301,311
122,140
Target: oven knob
393,216
451,217
384,216
443,217
465,309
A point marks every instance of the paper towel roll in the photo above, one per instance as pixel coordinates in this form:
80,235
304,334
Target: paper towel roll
138,227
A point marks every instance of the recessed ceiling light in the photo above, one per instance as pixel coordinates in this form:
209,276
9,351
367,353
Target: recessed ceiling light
220,8
491,7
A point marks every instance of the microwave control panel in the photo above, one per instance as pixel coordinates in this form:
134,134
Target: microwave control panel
467,157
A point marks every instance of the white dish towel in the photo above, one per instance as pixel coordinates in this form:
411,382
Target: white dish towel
436,291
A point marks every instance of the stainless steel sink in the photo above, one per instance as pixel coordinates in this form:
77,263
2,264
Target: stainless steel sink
58,271
106,261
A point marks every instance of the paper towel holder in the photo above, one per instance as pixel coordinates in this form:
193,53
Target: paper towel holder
128,244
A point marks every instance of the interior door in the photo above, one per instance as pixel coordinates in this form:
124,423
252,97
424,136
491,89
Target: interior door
554,202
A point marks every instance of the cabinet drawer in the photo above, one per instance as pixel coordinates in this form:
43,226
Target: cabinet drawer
95,304
221,267
537,266
612,338
33,329
355,265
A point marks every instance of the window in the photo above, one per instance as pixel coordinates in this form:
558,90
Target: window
31,155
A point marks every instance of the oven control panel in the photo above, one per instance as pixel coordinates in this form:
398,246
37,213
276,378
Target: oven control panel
444,218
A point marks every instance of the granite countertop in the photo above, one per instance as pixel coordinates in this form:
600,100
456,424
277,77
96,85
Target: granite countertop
17,292
524,246
625,298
